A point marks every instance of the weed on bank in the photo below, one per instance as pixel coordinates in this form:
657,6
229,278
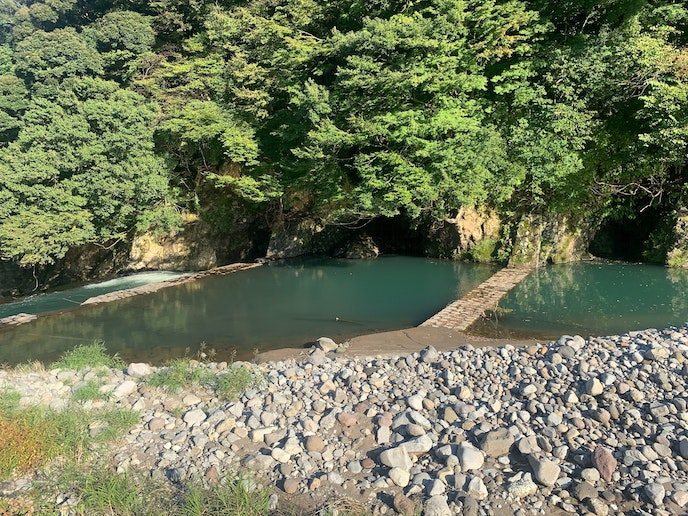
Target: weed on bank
60,448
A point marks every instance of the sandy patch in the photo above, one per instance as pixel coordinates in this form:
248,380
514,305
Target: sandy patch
402,342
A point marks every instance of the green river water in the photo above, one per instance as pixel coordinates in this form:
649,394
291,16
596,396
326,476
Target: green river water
275,306
291,304
591,299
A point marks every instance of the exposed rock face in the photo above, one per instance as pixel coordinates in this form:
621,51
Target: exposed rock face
362,247
301,237
678,254
472,233
15,280
204,242
84,263
550,239
191,248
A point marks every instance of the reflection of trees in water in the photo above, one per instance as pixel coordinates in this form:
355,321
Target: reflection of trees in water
236,310
548,286
469,276
599,298
679,300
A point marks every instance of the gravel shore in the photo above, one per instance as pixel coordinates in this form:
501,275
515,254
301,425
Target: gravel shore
574,426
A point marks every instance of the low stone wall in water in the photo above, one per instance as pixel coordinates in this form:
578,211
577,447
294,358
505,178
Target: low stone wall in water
16,320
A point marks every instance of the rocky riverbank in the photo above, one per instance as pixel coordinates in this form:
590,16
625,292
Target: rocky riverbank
573,426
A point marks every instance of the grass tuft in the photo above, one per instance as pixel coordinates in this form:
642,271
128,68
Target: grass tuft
9,400
88,356
31,437
16,507
27,441
236,495
106,492
180,373
235,381
89,391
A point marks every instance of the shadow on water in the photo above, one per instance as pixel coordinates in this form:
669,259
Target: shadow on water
276,306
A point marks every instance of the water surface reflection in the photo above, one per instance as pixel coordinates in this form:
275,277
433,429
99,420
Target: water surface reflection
275,306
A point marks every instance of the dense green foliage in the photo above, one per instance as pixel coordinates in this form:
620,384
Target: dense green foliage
115,115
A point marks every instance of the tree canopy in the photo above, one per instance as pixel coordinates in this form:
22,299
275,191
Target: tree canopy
115,115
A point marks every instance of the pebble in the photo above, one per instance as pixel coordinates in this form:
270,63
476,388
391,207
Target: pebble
584,490
594,387
326,344
437,506
522,487
476,489
545,471
655,492
396,457
139,370
400,476
497,442
347,419
470,457
604,462
596,426
403,505
291,485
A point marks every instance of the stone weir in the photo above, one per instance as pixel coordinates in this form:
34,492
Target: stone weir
463,312
22,318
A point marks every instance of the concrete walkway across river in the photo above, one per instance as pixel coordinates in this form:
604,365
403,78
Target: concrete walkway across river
462,313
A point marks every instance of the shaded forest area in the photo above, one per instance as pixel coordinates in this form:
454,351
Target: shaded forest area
118,117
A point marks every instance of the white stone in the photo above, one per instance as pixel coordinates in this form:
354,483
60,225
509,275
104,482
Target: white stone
415,402
258,435
437,506
590,474
292,446
680,498
326,344
554,419
400,476
419,419
522,487
125,388
194,417
384,435
418,445
529,390
477,489
655,493
470,457
280,455
594,387
436,487
190,400
396,458
570,398
545,471
138,369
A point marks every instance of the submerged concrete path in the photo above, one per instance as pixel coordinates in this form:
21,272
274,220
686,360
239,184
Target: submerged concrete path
465,311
